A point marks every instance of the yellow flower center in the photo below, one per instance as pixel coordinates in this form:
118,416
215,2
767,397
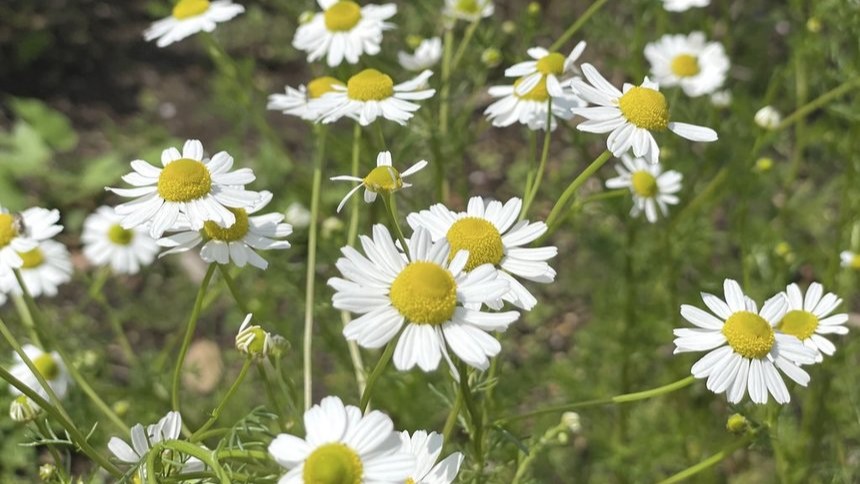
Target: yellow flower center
47,366
8,229
184,180
322,85
480,238
551,64
424,293
409,480
749,334
119,235
538,93
685,65
333,464
855,261
342,16
644,184
799,323
189,8
235,232
468,6
383,179
32,258
370,85
645,107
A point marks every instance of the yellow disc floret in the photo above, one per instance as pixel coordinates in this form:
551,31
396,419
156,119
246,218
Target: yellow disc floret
644,184
184,180
189,8
538,93
480,238
383,179
333,463
855,262
370,85
119,235
32,258
551,64
645,107
235,232
749,334
322,85
8,229
685,65
468,6
47,366
799,323
424,293
342,16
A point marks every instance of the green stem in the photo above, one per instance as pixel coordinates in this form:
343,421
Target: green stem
444,100
310,274
234,290
391,210
571,189
242,454
541,167
377,372
270,394
27,311
577,25
477,427
55,454
189,335
535,450
451,420
708,462
207,456
220,408
464,44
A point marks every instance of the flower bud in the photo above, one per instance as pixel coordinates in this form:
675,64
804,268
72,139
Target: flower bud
47,472
252,340
23,409
572,421
763,164
491,57
737,424
534,9
768,117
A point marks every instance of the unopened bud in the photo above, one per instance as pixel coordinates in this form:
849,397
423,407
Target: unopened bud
572,421
813,25
251,339
47,472
491,57
413,41
763,164
534,9
23,409
737,424
768,117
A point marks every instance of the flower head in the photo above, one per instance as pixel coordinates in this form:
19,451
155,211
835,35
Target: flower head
253,340
469,10
426,449
107,243
768,117
545,67
652,189
808,318
49,365
144,439
189,17
299,101
44,269
21,233
682,5
849,259
426,55
371,94
383,179
689,61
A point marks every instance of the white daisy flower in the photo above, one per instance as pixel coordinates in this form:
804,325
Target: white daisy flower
382,179
438,302
849,259
721,99
650,187
469,10
371,94
107,243
744,350
50,366
237,244
144,439
547,67
809,317
190,184
768,117
531,108
682,5
689,61
426,448
44,269
21,233
630,116
344,30
298,101
189,17
426,55
490,233
342,445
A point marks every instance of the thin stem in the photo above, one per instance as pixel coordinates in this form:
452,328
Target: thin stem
220,408
577,25
207,456
189,335
242,454
477,428
541,166
270,394
27,310
451,421
310,274
391,210
535,450
377,371
467,38
708,462
574,185
234,291
55,454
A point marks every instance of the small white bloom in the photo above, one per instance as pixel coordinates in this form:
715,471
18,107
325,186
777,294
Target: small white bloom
144,439
299,101
50,366
809,317
427,55
106,242
189,17
45,268
344,30
382,179
849,259
21,233
768,117
297,215
682,5
651,188
23,410
689,61
469,10
426,449
721,99
545,66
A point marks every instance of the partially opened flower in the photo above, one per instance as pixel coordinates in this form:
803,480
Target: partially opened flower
383,179
21,233
745,351
190,184
630,116
49,365
107,243
469,10
342,446
689,61
299,101
45,268
430,297
426,55
427,448
344,30
371,94
768,117
682,5
490,233
252,340
144,439
809,317
546,66
652,189
189,17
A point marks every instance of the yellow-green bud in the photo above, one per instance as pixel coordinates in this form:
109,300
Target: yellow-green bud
491,57
563,438
120,407
23,409
509,27
763,164
278,346
534,9
253,341
47,472
572,421
413,41
813,25
737,424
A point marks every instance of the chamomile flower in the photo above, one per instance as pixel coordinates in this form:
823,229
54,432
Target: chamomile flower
49,365
809,317
490,233
382,179
768,117
426,55
344,30
689,61
143,440
429,297
190,184
744,348
189,17
651,188
469,10
531,108
682,5
299,101
849,259
107,243
630,116
21,233
545,66
426,448
342,445
44,269
252,340
721,99
371,94
239,242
